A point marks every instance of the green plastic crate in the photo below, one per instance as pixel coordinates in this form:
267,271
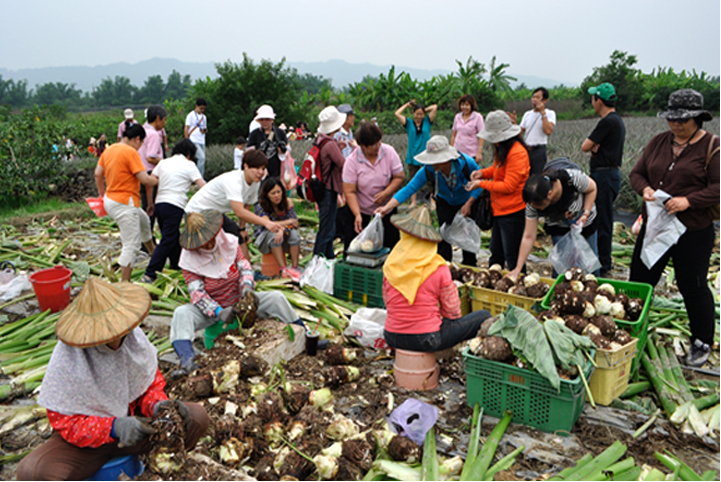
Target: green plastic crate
637,329
358,284
533,401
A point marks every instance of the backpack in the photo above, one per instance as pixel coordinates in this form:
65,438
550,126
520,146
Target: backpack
310,182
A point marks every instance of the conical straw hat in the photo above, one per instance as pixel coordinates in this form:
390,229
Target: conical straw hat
200,228
417,223
102,312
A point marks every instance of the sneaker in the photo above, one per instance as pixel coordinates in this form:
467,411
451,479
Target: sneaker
292,273
147,279
699,354
258,276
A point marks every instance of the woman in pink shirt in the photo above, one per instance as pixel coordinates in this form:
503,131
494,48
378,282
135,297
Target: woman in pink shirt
424,311
466,126
371,176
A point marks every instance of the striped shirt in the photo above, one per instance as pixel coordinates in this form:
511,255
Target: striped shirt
580,182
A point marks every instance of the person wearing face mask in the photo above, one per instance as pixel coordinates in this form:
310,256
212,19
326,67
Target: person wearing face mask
103,387
236,191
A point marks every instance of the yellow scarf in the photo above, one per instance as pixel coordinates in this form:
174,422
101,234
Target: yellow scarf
410,263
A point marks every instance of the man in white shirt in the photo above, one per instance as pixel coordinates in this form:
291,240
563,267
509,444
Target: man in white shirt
536,125
196,126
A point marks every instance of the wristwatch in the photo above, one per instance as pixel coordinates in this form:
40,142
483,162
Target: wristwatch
586,212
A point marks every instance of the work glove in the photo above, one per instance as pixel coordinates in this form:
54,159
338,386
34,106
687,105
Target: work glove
179,406
226,315
131,430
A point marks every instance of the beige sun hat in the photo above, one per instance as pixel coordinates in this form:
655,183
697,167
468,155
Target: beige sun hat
200,228
417,223
265,112
102,312
499,128
438,151
330,120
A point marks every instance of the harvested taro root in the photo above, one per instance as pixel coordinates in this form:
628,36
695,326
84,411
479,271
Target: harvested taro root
574,274
503,284
482,279
561,288
359,452
270,407
496,273
599,340
623,299
167,454
591,283
226,378
486,325
338,375
295,396
518,290
264,468
537,290
495,348
455,273
235,451
607,290
571,303
347,470
252,366
634,309
201,386
245,309
337,355
606,324
622,337
576,323
228,427
546,315
402,449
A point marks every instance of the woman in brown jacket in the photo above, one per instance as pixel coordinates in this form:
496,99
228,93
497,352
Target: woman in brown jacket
683,162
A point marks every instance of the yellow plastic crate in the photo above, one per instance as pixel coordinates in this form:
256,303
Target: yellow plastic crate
465,299
610,379
496,302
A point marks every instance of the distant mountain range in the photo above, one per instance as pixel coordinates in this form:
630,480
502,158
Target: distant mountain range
341,73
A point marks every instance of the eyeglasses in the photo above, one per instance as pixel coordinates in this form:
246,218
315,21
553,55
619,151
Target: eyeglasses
680,121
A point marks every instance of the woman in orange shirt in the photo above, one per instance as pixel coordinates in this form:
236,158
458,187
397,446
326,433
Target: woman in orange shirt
505,180
123,171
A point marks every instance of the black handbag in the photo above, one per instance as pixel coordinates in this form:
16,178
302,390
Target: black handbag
482,211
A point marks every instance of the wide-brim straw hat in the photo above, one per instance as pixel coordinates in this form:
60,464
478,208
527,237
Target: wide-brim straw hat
499,128
686,104
265,112
200,228
438,150
102,312
330,120
417,223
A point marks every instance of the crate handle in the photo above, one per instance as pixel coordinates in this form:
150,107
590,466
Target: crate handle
629,355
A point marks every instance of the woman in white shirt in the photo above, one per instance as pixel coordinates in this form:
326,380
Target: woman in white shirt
175,175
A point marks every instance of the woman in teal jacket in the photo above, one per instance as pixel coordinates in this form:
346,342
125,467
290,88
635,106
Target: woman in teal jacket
448,171
418,129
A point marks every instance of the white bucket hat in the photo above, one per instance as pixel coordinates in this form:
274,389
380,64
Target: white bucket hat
265,112
499,127
438,151
330,120
128,113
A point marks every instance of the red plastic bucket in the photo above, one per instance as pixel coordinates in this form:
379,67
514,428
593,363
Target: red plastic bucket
52,288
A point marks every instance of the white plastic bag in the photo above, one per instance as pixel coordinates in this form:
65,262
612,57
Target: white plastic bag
370,239
571,251
367,326
12,289
662,230
463,233
319,274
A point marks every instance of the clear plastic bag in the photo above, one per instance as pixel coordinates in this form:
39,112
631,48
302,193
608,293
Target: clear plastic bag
370,239
662,230
571,251
319,274
367,326
288,174
463,233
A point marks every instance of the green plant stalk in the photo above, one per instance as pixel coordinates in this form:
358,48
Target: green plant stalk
9,327
669,406
430,468
504,464
631,474
675,368
621,466
706,401
651,347
38,261
682,328
655,475
604,460
585,384
10,458
27,364
45,347
636,388
648,423
474,442
7,390
709,475
673,463
587,458
58,252
662,321
485,456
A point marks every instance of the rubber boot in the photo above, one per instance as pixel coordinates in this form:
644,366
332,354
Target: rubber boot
322,344
184,349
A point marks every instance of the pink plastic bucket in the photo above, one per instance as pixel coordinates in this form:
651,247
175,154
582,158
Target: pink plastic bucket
416,370
52,288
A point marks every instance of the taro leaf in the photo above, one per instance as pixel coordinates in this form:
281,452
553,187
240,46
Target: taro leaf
567,345
525,333
80,269
291,333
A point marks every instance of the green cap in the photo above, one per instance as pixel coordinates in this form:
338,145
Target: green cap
605,91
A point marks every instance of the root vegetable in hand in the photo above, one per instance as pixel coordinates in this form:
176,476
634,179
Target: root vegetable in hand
246,308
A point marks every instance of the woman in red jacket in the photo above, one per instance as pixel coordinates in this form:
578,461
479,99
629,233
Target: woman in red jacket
505,180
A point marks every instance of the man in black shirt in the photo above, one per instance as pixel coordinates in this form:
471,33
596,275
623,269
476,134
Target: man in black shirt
606,147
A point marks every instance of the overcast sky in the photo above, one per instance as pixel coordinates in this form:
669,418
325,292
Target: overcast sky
561,39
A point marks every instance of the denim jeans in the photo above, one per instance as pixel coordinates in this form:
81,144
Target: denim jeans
506,238
200,158
169,219
326,224
608,184
452,332
592,241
